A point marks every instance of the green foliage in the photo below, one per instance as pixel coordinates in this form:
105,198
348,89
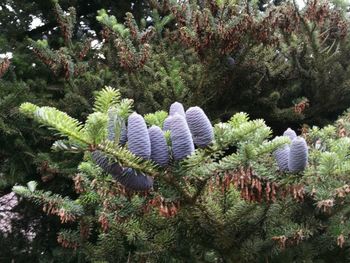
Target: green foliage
105,99
233,200
58,120
275,62
112,23
156,118
25,148
92,134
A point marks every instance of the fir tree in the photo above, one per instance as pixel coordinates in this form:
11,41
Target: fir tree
283,64
25,156
274,61
227,201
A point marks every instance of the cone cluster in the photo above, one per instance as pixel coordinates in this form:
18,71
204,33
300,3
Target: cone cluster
186,130
292,158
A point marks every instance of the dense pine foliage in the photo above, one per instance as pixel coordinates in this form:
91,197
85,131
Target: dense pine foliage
195,181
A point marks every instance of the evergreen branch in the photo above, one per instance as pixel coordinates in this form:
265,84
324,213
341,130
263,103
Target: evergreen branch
106,98
124,108
67,209
58,120
65,145
228,134
28,109
69,238
127,159
95,127
269,147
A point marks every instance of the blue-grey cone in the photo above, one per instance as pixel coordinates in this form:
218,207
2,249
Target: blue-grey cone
281,155
167,123
125,176
178,108
200,126
230,61
181,139
135,181
159,147
123,135
290,133
298,155
106,164
138,138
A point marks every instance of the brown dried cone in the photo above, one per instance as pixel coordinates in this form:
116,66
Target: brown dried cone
4,65
256,189
166,208
252,187
66,243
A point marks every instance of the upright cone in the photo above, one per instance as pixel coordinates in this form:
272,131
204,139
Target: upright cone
138,138
178,108
200,126
281,156
290,133
181,139
159,147
298,155
167,123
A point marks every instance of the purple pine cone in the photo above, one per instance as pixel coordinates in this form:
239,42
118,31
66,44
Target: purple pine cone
281,156
123,135
138,138
125,176
135,181
298,155
182,144
230,61
200,126
290,133
106,164
159,147
177,107
167,123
